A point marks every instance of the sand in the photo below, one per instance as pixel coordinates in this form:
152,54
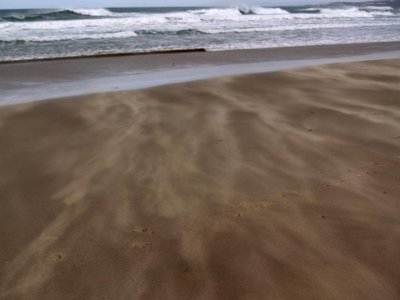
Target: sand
47,79
271,186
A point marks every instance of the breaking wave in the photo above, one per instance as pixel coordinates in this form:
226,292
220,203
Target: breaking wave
67,31
195,15
65,14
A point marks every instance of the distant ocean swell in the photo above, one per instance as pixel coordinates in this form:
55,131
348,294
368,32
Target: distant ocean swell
26,34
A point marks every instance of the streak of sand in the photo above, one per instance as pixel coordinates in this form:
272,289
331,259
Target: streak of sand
271,186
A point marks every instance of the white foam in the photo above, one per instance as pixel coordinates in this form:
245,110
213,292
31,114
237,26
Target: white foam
379,7
95,12
291,27
70,36
352,12
212,21
270,11
382,13
218,14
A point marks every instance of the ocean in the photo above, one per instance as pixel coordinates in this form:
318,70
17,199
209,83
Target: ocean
50,33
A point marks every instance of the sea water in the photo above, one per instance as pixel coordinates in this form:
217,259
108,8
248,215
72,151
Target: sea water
49,33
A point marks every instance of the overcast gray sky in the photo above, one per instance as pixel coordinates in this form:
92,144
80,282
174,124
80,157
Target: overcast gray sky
133,3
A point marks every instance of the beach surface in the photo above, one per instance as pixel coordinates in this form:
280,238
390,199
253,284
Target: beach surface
59,78
280,185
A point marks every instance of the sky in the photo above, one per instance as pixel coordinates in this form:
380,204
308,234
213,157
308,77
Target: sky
132,3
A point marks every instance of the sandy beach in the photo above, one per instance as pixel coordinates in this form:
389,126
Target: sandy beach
280,185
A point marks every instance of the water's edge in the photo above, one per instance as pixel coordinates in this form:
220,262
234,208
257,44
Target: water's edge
108,74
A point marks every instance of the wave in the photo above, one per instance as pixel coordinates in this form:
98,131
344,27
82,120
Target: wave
93,12
120,33
65,14
379,8
310,10
261,13
202,15
189,31
269,11
12,42
75,37
288,28
100,36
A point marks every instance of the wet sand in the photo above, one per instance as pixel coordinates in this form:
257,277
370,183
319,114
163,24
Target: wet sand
49,79
270,186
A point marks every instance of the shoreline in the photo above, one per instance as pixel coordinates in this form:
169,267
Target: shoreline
202,50
104,55
180,51
44,80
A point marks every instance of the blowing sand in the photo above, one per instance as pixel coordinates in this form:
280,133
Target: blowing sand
274,186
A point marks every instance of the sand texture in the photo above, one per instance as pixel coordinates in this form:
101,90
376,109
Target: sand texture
274,186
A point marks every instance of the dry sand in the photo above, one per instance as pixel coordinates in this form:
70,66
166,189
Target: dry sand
272,186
